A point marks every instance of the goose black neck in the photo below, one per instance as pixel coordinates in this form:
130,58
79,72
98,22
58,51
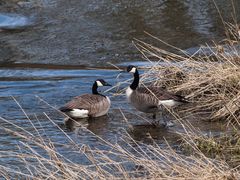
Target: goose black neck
135,82
94,88
95,91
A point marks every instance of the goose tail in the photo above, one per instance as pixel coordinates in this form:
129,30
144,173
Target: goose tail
65,109
182,99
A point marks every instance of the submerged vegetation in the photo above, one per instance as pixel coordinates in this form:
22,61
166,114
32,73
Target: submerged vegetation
209,81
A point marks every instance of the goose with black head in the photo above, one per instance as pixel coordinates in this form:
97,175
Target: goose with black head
88,105
150,99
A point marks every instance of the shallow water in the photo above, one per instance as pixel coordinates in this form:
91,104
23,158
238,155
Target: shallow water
40,91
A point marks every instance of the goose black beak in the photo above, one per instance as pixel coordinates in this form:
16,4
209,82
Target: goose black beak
123,71
107,84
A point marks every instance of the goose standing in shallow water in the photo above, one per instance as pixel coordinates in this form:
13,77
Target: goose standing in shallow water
88,105
150,99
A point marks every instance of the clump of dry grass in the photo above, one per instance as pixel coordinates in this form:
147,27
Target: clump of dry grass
209,78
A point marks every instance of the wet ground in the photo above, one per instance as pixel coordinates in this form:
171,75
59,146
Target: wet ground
51,60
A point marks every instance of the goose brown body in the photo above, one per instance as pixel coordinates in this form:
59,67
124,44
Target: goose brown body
149,99
96,105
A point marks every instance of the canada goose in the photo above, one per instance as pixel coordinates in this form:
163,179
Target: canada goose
88,105
150,99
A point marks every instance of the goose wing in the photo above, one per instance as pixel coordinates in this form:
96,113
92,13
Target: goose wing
160,93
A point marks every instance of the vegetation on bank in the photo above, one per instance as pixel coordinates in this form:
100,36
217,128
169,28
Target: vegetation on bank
209,78
210,82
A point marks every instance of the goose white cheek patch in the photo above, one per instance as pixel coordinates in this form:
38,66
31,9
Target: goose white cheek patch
99,83
133,70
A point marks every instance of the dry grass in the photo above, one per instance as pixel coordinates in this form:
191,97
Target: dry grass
126,159
209,78
39,157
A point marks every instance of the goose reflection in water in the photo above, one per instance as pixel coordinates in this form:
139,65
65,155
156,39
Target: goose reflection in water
148,133
98,125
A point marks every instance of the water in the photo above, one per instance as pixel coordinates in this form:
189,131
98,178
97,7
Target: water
92,33
55,59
